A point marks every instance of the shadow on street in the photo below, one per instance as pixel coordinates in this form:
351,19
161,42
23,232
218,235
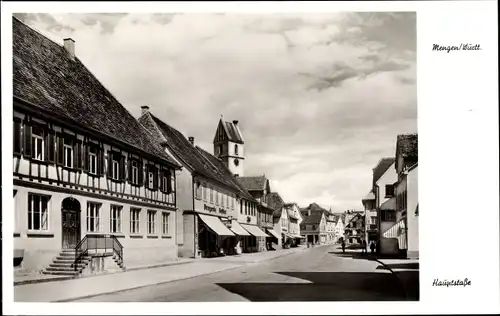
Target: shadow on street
325,286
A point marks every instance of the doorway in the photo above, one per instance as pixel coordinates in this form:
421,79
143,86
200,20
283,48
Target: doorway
70,212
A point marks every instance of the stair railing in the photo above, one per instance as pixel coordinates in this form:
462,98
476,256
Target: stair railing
97,243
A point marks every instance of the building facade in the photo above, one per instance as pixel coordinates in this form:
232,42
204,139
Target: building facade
209,197
84,168
370,210
313,227
354,230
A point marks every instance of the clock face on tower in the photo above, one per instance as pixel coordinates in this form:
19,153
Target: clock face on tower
236,162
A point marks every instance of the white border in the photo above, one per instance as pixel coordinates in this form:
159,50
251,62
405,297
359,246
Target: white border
458,145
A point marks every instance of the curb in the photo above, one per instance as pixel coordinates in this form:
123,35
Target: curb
36,281
170,281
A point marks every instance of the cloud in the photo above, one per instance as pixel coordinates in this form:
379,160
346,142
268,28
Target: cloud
320,97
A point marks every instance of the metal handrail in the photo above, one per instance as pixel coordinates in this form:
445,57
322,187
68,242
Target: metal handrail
95,242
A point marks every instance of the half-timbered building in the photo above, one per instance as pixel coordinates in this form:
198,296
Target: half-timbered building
87,175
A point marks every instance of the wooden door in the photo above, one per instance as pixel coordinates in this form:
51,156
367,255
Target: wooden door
70,228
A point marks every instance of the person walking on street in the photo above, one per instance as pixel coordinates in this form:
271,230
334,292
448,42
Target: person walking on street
363,244
372,247
343,246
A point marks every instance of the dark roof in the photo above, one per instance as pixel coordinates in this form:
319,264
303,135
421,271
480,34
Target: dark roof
407,147
232,132
45,77
275,201
225,173
313,219
257,183
196,160
381,168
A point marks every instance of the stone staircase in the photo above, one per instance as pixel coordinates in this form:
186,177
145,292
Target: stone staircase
64,263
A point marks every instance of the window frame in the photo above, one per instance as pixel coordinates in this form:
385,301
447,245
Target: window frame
40,138
93,155
115,216
94,213
135,223
151,224
31,212
165,224
70,148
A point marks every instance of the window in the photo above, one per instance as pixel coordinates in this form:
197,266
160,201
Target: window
197,192
151,222
134,220
38,212
211,195
373,220
232,203
37,146
134,176
151,180
164,223
115,219
17,136
236,150
115,169
93,160
389,190
216,198
222,199
388,216
93,217
68,152
204,192
220,150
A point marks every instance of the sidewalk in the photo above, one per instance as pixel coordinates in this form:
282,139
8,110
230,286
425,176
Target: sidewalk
408,272
110,283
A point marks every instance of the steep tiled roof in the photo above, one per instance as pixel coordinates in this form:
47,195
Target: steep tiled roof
257,183
47,78
407,147
381,168
275,201
225,173
196,160
233,132
313,219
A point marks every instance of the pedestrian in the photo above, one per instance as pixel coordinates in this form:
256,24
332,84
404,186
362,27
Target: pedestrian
343,246
363,244
372,247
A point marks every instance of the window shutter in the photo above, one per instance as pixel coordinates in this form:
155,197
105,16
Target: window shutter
78,155
85,158
168,174
110,164
122,168
60,149
129,168
51,152
100,161
17,137
27,140
155,178
141,173
162,174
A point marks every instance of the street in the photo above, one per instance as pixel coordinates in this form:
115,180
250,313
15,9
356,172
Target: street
318,274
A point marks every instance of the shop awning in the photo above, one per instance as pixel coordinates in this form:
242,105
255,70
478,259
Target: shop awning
238,230
215,224
296,236
272,232
254,230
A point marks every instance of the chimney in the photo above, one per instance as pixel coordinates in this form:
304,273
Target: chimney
69,46
235,122
191,140
144,109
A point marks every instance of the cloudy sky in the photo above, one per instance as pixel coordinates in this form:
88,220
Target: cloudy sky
320,98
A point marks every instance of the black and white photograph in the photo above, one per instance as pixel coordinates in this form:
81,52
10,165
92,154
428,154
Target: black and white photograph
194,157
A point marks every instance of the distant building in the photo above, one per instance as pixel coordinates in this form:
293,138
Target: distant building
229,146
313,226
339,228
294,222
354,230
371,226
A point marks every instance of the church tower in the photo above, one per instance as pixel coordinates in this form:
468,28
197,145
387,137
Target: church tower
229,146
